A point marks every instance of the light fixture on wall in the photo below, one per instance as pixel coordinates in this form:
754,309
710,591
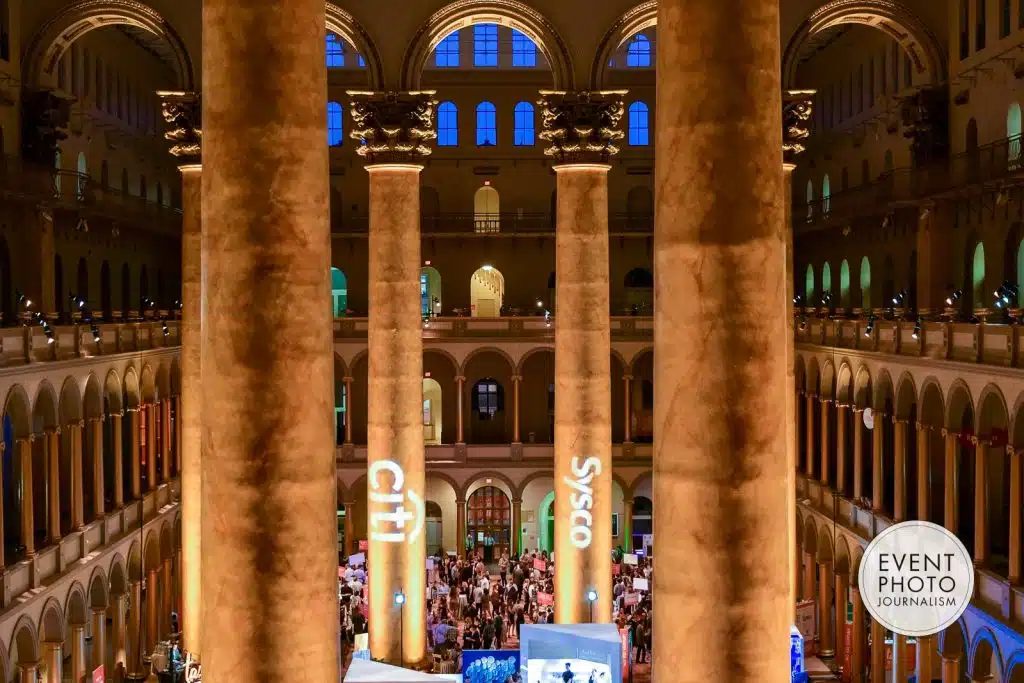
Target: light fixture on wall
917,329
871,326
955,296
1006,295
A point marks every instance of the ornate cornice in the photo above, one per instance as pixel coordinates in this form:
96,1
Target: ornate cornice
182,113
797,107
393,127
582,126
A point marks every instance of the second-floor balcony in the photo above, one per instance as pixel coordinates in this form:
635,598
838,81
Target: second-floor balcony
536,327
512,223
998,162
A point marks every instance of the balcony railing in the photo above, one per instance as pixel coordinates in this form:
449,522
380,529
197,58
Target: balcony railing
1000,160
967,342
498,223
29,344
530,327
78,191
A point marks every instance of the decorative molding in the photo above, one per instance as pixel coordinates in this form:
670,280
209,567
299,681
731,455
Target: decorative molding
582,127
797,108
182,111
393,127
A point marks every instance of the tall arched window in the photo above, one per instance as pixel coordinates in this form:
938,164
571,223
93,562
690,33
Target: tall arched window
486,210
83,176
447,125
430,291
1013,131
334,124
488,399
810,201
446,54
524,50
335,51
809,286
57,167
639,124
826,279
485,45
524,119
826,195
486,125
339,293
638,54
844,285
865,283
978,276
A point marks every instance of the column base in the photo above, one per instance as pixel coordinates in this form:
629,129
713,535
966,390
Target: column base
460,451
628,449
348,452
517,450
827,653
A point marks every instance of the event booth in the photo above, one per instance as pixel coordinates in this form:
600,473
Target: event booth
570,653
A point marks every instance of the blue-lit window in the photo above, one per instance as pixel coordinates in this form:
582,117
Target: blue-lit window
638,54
335,51
485,45
446,54
639,124
524,50
362,62
486,125
447,125
334,124
524,121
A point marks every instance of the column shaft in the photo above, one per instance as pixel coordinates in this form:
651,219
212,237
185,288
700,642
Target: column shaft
28,524
583,441
98,644
135,430
119,633
54,658
517,525
842,483
395,414
900,470
951,670
460,527
859,634
267,394
98,469
53,485
165,440
189,413
950,480
516,381
77,478
627,525
628,403
350,546
792,445
826,643
825,437
840,621
151,448
116,427
1015,515
152,610
166,598
810,577
925,658
811,403
877,453
78,653
877,651
348,410
27,672
460,383
899,659
133,631
858,454
924,458
981,530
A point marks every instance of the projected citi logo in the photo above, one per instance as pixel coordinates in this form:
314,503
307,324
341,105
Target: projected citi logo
391,520
916,578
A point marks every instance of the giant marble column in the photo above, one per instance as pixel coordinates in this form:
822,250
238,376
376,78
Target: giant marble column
269,583
395,129
582,129
720,346
181,111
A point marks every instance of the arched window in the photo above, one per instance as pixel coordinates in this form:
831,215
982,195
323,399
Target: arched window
826,195
488,399
826,279
56,176
638,54
432,427
1013,131
809,286
524,125
485,45
486,293
446,54
524,50
335,51
488,523
978,275
865,283
486,125
486,210
339,293
639,124
447,125
430,292
81,180
334,124
810,201
844,284
639,286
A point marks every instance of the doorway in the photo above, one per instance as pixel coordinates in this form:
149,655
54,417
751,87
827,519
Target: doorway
489,523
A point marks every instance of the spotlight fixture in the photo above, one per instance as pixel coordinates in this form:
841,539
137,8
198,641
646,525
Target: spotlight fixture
917,329
540,304
591,595
95,333
871,326
803,322
47,330
899,298
955,296
166,330
797,299
1006,295
399,598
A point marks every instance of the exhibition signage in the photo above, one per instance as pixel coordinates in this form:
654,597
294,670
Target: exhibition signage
629,559
357,560
364,545
97,674
640,585
395,523
489,666
545,599
626,635
798,673
807,624
616,569
540,565
581,500
631,599
916,578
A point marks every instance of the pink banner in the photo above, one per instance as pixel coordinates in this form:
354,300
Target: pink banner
364,545
545,599
540,565
98,675
616,569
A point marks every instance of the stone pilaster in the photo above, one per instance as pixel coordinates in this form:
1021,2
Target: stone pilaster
582,129
395,129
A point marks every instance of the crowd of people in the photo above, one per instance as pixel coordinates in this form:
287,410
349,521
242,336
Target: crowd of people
473,606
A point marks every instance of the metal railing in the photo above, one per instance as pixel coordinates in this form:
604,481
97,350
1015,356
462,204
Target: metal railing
498,223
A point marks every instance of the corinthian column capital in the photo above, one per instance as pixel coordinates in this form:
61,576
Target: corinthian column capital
393,127
581,127
182,113
797,107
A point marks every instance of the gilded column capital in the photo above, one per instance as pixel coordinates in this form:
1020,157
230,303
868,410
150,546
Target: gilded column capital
95,419
517,378
460,379
132,409
1012,451
51,431
922,427
898,420
797,107
628,377
393,127
948,432
79,424
840,405
25,439
811,395
182,113
582,127
347,380
116,413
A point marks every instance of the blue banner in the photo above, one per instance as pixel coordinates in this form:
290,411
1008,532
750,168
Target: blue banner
489,666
